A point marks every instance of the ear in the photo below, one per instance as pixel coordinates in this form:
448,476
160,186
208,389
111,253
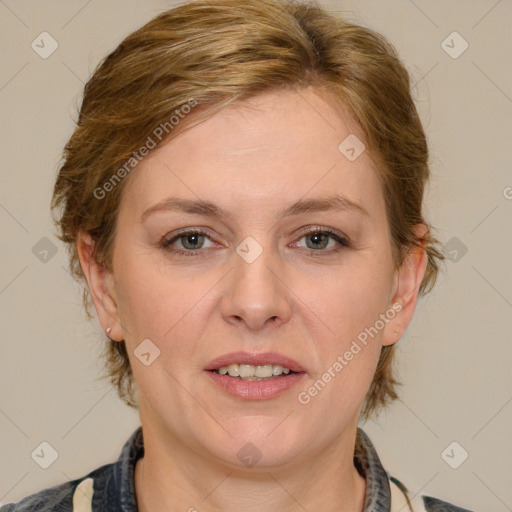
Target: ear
101,286
406,289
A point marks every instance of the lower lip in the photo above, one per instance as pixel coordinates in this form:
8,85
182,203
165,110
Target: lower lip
255,389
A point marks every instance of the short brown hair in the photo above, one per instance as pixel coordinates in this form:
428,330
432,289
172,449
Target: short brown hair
215,52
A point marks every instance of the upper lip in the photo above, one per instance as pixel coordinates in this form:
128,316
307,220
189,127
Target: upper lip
262,358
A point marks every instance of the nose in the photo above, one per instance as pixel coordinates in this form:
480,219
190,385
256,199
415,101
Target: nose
256,293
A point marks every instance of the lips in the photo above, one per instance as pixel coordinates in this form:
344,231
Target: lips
261,359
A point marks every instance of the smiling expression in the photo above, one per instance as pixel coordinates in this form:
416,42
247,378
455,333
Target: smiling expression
251,232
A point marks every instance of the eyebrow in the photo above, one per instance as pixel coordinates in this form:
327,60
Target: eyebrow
208,209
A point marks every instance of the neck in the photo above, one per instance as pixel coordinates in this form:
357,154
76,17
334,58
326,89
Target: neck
173,477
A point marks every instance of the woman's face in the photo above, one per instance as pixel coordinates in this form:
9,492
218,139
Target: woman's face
254,281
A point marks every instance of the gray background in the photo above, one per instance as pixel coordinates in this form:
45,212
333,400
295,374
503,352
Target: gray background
455,358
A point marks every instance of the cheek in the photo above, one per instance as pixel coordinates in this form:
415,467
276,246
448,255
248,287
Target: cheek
153,299
342,323
174,313
348,301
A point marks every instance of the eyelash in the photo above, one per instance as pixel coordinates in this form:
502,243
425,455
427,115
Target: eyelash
341,240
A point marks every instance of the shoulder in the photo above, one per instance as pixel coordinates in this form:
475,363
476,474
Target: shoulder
436,505
64,497
106,486
58,498
401,500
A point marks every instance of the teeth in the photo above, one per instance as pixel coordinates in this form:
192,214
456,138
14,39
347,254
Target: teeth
234,370
246,370
251,372
266,370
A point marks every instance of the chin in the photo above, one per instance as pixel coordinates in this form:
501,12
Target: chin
262,444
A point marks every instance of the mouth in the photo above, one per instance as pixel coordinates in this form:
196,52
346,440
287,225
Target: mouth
249,372
255,376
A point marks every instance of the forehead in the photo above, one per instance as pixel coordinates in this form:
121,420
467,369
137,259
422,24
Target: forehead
260,155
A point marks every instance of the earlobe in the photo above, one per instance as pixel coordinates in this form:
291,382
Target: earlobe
408,281
100,282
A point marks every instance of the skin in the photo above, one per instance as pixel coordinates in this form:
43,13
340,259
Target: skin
253,162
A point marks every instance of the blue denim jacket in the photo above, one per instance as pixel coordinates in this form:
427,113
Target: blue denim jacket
111,488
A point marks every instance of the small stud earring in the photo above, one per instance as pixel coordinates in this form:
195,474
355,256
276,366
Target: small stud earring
395,332
108,330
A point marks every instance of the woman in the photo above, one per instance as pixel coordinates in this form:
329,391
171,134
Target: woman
243,197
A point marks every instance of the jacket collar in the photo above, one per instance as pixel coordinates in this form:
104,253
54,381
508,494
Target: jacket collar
367,462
